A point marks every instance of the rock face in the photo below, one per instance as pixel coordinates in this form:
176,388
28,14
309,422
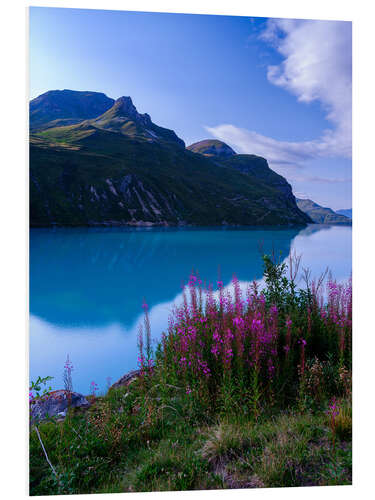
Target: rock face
56,405
126,379
322,215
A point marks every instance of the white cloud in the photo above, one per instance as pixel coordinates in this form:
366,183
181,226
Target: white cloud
316,66
280,153
325,180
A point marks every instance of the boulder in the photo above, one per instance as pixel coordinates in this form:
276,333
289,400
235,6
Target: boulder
55,404
126,379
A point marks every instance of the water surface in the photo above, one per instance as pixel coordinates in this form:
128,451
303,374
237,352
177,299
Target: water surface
87,285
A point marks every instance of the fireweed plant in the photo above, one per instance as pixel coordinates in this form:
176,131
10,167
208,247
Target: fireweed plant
67,375
247,352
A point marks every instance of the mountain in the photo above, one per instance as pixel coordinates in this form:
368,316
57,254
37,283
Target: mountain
212,147
321,215
345,211
120,168
65,107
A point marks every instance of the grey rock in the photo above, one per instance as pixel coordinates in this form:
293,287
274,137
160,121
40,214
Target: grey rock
126,379
56,405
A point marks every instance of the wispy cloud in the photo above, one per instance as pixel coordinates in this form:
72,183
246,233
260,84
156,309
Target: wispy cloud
324,180
279,153
316,66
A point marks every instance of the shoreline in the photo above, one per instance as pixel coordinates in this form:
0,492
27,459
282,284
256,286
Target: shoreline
176,226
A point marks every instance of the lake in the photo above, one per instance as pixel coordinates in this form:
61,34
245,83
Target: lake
87,285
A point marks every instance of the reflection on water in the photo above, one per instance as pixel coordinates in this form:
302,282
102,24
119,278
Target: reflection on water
87,285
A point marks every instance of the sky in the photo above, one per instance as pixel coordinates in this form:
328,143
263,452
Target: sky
278,88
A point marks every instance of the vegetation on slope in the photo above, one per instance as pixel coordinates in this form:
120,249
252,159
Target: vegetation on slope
84,175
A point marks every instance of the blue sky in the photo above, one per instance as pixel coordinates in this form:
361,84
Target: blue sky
277,88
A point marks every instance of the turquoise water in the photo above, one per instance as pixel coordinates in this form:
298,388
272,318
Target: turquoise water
87,285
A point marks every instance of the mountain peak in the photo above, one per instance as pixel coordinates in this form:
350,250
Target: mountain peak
125,99
212,147
124,105
124,108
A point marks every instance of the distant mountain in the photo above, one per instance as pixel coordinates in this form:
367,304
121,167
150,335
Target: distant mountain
321,215
212,147
65,107
345,211
121,168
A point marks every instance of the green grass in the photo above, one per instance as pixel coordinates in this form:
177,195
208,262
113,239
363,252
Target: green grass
123,444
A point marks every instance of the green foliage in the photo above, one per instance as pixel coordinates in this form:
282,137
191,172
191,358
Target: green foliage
278,288
36,387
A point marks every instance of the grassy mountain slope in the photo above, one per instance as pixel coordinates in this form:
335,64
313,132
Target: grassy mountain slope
101,177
